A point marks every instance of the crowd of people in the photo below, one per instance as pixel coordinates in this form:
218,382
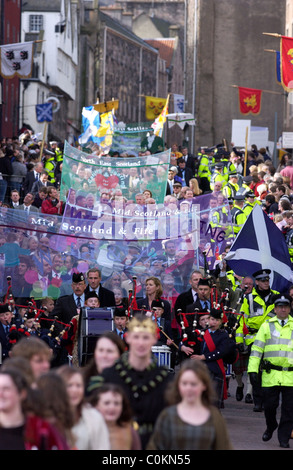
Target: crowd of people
158,374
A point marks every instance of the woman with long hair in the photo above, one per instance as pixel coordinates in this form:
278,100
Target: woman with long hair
111,401
22,424
191,422
109,347
89,429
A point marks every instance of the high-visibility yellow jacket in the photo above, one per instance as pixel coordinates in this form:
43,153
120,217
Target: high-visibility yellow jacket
204,170
247,208
254,312
230,190
273,343
238,218
50,165
217,176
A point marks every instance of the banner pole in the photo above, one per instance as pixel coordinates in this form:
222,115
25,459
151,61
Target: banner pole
43,141
245,157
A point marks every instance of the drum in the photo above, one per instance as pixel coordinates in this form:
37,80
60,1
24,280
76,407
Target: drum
93,323
163,355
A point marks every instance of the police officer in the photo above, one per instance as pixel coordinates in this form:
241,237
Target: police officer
256,308
271,356
249,203
230,189
218,175
204,169
237,214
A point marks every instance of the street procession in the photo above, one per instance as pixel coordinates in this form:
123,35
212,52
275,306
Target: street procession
146,262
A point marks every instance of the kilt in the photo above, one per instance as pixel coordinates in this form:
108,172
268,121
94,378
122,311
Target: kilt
241,364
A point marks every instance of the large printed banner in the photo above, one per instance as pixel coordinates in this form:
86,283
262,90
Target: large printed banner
97,175
41,252
129,138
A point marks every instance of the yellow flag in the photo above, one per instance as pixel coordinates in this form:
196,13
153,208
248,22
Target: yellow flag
153,107
158,125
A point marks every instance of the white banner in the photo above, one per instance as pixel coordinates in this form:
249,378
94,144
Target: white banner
16,60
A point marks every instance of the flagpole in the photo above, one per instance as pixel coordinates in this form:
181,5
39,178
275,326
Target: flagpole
43,141
275,35
265,91
245,157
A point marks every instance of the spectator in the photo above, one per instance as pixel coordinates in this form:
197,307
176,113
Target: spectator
52,204
19,173
5,172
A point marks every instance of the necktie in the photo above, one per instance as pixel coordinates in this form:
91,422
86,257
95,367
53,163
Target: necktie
206,305
78,302
282,322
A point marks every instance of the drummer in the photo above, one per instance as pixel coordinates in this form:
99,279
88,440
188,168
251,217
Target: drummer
165,333
164,325
92,300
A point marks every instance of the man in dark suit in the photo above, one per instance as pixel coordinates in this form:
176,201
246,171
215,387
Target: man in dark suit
189,159
203,301
42,181
184,172
188,297
106,297
32,176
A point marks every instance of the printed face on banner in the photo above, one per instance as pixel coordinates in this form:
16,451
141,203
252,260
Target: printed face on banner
128,176
122,239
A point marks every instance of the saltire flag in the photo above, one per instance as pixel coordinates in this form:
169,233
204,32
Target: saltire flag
16,60
249,100
90,124
261,245
278,67
44,112
286,49
158,125
153,107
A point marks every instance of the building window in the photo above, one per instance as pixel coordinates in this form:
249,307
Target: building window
35,23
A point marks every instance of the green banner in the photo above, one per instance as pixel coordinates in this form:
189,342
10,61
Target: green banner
95,174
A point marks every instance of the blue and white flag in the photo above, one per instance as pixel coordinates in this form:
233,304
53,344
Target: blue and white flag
261,245
90,124
44,112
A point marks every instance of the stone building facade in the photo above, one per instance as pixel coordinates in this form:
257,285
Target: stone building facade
223,46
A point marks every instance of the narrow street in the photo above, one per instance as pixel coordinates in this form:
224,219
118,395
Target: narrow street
245,426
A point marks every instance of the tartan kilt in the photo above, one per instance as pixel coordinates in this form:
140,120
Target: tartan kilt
241,364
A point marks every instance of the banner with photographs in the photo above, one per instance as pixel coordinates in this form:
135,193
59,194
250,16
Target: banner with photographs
40,252
104,174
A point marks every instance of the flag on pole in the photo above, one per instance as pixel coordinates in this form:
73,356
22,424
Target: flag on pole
16,60
153,107
158,125
44,112
261,245
90,124
249,100
98,128
286,49
106,130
